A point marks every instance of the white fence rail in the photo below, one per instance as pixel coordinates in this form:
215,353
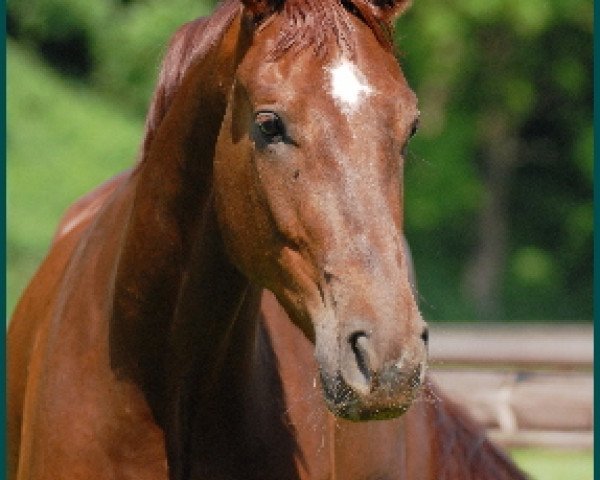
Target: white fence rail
529,385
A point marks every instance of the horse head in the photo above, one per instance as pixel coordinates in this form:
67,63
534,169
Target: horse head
308,172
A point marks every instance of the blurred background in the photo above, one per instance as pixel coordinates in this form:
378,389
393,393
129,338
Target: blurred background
498,181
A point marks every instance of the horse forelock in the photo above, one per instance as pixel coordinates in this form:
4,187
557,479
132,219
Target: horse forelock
325,24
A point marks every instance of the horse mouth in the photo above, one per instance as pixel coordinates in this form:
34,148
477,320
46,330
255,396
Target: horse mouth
386,399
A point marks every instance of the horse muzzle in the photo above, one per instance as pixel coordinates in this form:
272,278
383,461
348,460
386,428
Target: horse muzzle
360,386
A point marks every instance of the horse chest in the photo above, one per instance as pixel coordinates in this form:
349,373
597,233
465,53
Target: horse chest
332,449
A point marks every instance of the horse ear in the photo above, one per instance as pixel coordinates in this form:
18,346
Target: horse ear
383,10
260,9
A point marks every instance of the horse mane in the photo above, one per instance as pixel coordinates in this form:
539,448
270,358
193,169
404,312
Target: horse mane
316,23
461,447
189,45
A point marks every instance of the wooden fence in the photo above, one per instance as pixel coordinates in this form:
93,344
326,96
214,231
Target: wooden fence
529,385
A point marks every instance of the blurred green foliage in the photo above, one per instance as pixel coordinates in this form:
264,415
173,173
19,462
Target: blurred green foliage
498,182
61,142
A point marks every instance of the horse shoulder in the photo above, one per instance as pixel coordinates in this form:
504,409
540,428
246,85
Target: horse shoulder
30,312
63,399
25,338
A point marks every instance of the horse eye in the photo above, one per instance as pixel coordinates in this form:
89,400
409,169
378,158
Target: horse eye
413,131
414,128
270,126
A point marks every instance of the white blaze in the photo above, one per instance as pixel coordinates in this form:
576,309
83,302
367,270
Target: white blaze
347,85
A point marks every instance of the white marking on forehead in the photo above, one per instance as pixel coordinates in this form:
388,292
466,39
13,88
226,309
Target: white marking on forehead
348,86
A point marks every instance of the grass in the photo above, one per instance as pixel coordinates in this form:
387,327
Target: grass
543,464
62,140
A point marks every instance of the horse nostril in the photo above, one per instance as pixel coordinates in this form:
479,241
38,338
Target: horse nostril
425,335
359,342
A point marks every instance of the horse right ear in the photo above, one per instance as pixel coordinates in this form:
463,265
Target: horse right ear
384,10
261,9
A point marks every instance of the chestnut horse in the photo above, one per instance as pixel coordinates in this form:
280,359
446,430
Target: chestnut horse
149,344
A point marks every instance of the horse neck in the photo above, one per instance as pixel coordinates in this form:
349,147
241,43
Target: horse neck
210,357
171,228
215,319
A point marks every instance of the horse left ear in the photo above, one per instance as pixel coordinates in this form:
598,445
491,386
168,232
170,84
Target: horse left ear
260,9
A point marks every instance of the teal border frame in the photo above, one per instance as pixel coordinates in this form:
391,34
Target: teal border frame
3,256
